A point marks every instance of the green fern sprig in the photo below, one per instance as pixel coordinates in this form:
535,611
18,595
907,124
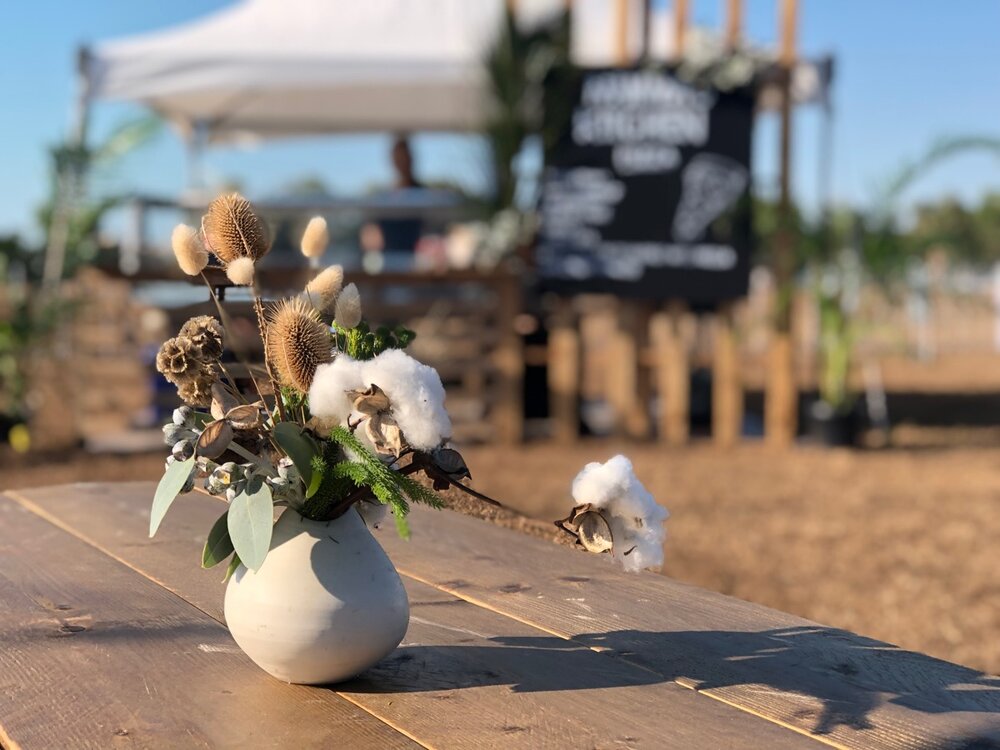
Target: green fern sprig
389,487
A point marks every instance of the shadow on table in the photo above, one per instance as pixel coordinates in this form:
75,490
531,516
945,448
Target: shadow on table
848,674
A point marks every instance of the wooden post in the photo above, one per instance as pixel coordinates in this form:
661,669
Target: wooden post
672,374
509,361
734,23
621,33
680,28
781,399
630,381
564,368
727,385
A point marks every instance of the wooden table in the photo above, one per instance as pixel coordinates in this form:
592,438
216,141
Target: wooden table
111,640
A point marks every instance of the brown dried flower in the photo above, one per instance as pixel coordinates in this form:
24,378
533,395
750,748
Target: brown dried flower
315,238
197,390
297,343
233,229
324,289
188,249
590,527
206,335
177,359
241,271
380,425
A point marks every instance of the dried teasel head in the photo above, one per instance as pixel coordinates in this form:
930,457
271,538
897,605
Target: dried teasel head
348,307
233,230
325,288
206,336
297,343
315,238
192,257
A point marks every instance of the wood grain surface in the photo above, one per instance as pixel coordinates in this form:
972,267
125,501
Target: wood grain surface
501,648
95,655
465,676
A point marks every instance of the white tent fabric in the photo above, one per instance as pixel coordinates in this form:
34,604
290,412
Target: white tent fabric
270,68
273,68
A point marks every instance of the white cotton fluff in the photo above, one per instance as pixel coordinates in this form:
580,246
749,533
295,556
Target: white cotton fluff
636,519
414,390
328,393
416,394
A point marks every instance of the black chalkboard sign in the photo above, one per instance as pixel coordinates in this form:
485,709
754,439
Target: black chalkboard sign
646,191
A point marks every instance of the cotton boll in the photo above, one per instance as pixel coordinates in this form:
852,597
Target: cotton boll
416,395
328,394
635,518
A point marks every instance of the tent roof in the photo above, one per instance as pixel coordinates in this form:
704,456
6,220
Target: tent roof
272,68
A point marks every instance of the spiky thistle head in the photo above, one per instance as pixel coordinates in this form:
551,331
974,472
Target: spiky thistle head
233,230
188,249
324,289
297,342
315,238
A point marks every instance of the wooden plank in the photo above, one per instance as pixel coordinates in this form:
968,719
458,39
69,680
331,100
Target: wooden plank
848,690
96,656
465,677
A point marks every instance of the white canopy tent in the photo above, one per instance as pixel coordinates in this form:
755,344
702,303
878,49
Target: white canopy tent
271,68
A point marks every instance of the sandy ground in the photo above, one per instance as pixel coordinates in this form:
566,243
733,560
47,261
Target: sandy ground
900,545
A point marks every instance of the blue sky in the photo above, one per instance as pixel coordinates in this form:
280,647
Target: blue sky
907,73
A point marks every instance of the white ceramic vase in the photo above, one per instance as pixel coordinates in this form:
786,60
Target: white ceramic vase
326,604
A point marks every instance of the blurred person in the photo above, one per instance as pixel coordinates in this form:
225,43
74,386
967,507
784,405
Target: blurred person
392,242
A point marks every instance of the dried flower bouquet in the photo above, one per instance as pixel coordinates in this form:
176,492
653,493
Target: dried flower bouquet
345,417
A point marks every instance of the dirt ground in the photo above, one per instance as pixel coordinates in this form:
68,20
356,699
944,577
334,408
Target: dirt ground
901,545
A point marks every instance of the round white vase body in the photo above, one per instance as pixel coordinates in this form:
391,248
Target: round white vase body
326,604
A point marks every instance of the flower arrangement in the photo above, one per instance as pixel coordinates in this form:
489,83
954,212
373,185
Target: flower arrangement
345,417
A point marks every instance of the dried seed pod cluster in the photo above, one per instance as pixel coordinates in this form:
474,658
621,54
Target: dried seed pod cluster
190,360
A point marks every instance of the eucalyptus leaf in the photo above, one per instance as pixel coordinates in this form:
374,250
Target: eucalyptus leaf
234,563
314,485
250,522
170,486
218,546
299,447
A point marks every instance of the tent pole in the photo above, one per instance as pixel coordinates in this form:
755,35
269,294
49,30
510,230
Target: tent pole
195,147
